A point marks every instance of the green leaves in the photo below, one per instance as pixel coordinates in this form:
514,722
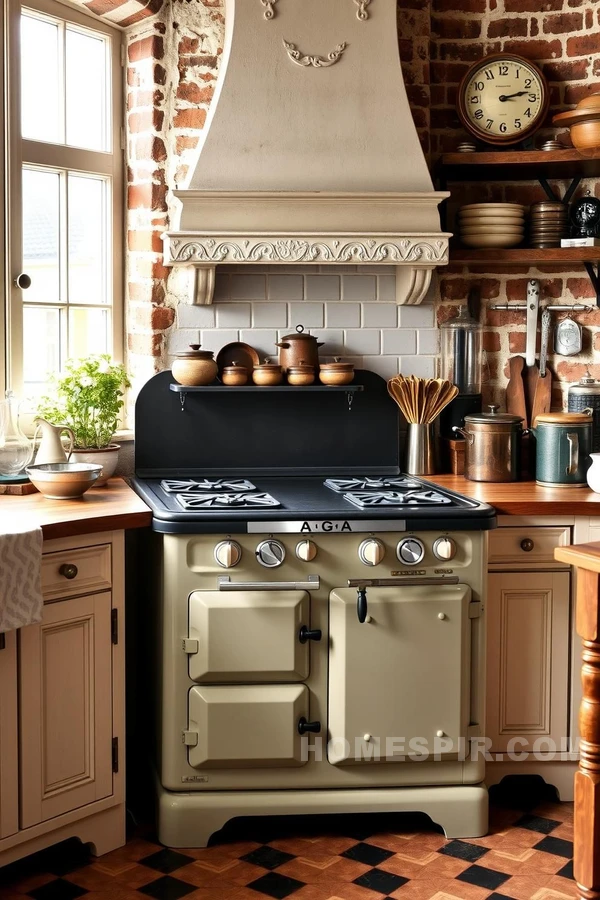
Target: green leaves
88,397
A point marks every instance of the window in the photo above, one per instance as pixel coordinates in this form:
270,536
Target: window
66,198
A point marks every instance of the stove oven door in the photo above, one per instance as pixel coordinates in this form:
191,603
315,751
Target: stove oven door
246,726
399,683
248,636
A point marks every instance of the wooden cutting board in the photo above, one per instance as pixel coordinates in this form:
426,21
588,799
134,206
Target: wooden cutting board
515,389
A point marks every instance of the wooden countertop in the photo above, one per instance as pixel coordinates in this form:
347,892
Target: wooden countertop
108,508
585,556
524,498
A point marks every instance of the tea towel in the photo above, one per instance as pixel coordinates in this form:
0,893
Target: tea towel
20,578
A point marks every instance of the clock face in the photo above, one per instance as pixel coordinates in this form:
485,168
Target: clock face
502,99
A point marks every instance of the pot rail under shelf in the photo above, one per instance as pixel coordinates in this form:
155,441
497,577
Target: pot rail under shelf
348,389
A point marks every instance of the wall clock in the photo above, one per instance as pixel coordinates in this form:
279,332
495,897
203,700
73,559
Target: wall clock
503,99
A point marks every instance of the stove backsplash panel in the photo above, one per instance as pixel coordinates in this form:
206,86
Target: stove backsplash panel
351,308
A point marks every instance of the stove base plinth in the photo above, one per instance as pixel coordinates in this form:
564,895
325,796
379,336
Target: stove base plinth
189,819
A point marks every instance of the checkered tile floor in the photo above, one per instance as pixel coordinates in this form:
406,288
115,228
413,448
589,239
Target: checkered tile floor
525,857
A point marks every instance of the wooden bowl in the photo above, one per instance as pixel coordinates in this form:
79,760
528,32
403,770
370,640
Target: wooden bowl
583,123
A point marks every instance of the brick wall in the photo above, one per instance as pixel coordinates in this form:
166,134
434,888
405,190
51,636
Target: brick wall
172,65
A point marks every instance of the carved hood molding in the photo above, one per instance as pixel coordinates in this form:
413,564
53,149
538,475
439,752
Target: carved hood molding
309,153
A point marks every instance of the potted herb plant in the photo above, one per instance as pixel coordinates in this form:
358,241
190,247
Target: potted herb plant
88,397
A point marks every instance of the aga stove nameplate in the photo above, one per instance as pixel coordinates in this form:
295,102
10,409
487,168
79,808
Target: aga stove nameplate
327,526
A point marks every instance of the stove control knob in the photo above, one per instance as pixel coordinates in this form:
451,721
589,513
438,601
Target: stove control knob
410,551
270,554
444,548
371,552
228,554
306,550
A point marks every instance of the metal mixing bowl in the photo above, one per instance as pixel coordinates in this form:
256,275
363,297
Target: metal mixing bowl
63,481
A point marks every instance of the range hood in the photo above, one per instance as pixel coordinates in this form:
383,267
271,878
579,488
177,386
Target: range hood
309,154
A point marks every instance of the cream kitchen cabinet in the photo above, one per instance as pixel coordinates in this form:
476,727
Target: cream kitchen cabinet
67,674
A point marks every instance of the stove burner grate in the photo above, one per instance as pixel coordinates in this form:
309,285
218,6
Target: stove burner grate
226,501
382,483
419,497
206,485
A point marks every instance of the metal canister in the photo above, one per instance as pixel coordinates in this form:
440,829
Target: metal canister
493,446
563,444
586,395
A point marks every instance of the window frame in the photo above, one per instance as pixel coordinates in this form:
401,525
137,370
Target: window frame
20,151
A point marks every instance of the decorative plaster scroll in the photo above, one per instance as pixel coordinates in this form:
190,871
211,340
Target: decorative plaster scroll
209,250
361,12
269,11
319,62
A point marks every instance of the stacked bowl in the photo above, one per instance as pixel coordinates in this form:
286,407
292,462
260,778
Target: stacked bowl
492,224
548,224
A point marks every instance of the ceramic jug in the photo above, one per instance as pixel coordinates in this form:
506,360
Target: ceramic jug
51,448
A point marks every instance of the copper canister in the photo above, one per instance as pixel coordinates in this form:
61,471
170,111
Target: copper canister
492,446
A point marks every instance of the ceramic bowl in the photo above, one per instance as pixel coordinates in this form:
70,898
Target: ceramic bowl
63,481
491,220
494,207
492,229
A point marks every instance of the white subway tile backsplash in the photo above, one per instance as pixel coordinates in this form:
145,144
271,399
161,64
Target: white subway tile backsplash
322,287
234,315
285,287
248,287
180,340
195,316
359,287
342,315
264,341
400,342
215,338
386,288
362,341
269,315
311,315
386,366
428,340
380,315
222,287
422,316
422,366
333,342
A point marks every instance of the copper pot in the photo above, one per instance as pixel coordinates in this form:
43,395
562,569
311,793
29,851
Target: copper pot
298,348
267,374
492,446
336,373
234,375
194,367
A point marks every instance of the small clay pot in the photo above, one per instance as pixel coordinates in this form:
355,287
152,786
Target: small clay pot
194,367
234,375
300,374
336,373
267,374
583,122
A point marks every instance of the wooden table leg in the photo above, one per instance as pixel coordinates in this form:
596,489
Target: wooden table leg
587,779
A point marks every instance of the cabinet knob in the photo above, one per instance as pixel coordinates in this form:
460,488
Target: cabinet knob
527,545
69,570
307,635
304,727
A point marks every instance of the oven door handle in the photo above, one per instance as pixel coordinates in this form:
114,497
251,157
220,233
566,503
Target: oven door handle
402,582
313,583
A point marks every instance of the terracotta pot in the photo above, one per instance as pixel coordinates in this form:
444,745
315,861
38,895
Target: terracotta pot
194,367
234,375
107,457
336,373
267,374
583,123
298,348
300,375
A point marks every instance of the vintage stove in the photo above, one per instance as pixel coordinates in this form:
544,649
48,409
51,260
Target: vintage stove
319,615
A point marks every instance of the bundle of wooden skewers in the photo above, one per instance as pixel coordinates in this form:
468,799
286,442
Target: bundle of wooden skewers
421,400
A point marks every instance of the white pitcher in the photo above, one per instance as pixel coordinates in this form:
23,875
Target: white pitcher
51,449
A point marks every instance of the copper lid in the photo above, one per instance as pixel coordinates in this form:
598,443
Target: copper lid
195,353
560,418
301,369
493,416
299,335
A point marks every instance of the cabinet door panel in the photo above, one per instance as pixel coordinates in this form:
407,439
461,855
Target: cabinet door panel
400,677
9,808
66,711
528,657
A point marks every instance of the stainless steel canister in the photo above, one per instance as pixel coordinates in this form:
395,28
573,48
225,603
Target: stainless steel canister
586,395
493,446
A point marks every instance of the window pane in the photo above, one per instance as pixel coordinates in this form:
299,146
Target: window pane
40,80
87,97
88,332
41,347
88,276
41,229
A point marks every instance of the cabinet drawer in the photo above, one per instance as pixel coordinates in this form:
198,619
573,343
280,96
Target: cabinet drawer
84,570
526,547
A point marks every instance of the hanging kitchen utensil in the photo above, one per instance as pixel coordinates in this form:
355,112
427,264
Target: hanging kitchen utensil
531,374
515,389
543,392
567,337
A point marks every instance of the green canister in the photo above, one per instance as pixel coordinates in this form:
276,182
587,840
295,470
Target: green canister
563,446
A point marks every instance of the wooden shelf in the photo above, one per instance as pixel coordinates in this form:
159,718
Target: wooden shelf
559,256
519,165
